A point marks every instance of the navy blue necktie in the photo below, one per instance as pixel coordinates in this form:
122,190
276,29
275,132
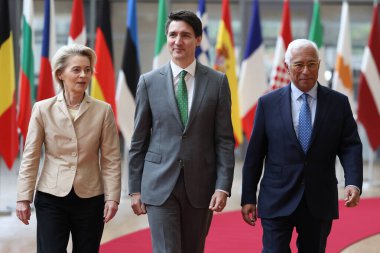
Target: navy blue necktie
304,124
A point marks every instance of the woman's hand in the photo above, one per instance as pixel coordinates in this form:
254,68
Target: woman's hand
23,211
110,209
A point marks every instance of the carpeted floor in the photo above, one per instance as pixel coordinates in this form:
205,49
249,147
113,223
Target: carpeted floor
229,233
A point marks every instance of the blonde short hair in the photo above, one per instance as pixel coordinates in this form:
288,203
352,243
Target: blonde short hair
59,61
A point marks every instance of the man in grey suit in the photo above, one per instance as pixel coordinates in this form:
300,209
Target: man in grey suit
181,159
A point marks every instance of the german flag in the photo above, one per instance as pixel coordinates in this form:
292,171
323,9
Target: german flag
8,123
103,82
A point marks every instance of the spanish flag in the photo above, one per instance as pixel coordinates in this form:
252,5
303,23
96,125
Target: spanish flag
103,82
8,124
225,61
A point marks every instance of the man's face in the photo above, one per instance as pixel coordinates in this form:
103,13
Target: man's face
303,67
182,43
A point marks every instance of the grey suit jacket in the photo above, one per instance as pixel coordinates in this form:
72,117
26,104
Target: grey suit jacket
161,145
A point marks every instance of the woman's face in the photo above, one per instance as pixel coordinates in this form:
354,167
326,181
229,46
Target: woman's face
77,74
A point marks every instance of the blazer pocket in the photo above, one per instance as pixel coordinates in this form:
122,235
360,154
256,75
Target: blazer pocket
49,177
153,157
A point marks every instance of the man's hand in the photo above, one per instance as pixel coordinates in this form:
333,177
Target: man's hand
137,206
110,209
248,211
23,211
218,201
352,196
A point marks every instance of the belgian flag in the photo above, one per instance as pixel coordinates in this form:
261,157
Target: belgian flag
103,82
8,123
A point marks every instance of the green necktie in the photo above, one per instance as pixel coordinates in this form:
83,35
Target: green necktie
182,97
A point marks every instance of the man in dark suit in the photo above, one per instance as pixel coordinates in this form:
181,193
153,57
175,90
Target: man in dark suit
181,159
298,131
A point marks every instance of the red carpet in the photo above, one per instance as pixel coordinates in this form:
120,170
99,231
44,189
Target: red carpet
229,233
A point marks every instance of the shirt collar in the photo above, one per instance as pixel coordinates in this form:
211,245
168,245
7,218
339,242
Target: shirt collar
189,69
297,92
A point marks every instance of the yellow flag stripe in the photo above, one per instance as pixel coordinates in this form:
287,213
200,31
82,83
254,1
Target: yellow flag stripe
96,90
224,47
7,75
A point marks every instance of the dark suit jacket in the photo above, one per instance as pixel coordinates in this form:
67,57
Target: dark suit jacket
289,173
160,145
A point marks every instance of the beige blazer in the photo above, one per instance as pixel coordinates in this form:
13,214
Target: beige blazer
83,153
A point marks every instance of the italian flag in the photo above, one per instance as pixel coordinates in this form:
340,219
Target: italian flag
161,54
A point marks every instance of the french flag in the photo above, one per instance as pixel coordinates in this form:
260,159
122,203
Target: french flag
45,82
253,82
77,34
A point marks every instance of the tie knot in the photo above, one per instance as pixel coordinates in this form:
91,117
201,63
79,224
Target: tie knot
182,74
304,97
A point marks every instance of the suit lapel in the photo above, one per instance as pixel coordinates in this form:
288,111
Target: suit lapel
322,106
84,106
200,85
62,105
167,79
286,114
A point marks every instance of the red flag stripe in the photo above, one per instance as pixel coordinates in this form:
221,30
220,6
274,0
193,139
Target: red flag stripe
104,69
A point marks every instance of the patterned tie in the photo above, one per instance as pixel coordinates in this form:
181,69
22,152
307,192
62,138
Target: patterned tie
182,97
304,124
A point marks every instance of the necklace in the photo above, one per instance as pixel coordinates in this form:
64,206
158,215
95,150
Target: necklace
73,106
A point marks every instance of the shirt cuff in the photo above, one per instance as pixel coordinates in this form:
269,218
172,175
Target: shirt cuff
353,186
226,192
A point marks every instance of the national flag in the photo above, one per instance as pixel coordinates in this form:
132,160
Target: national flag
77,33
8,124
252,84
202,51
342,78
279,75
369,84
45,83
225,61
316,35
128,76
161,53
103,81
26,78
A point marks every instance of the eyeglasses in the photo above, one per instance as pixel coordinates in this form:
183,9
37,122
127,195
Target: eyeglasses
299,66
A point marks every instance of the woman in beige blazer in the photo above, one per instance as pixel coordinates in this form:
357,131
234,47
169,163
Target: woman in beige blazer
78,188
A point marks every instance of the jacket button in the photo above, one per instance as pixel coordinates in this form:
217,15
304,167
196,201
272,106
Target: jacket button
73,154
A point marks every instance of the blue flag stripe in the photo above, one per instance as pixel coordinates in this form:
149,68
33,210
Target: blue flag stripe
255,37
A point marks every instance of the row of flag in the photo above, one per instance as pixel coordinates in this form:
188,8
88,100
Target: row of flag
245,91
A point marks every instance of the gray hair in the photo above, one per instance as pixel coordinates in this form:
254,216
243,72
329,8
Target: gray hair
297,44
59,61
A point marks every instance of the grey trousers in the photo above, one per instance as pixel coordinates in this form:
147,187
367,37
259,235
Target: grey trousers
176,226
